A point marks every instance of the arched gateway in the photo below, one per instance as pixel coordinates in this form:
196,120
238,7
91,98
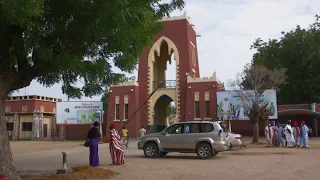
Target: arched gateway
144,102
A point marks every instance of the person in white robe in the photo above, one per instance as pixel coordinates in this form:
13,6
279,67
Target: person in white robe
268,132
275,130
289,134
304,134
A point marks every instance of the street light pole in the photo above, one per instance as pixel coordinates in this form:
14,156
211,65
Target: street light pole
100,111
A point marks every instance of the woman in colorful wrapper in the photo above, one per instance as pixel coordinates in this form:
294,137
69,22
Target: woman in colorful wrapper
116,151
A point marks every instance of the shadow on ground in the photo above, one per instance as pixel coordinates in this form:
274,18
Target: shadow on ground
250,153
172,157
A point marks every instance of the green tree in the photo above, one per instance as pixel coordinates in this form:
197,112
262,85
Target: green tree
171,109
298,52
69,40
257,79
105,100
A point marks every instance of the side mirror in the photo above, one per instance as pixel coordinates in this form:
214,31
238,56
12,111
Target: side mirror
163,133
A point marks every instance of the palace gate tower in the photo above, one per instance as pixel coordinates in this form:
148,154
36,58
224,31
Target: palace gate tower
144,102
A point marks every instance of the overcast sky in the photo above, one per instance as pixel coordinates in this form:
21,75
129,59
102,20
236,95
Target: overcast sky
227,29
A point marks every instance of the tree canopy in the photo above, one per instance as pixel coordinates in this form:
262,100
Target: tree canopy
298,51
64,41
250,86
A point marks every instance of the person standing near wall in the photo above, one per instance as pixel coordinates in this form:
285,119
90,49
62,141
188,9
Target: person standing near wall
93,138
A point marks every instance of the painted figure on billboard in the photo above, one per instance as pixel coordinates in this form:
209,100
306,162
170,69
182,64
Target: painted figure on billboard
226,109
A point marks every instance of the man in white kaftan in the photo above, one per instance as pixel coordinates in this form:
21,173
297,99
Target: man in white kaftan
269,133
289,134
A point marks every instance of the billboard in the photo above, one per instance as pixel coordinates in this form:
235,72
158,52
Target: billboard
78,112
230,106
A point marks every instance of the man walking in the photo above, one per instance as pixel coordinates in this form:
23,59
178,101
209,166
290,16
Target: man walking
279,135
296,134
289,135
304,134
125,138
268,132
142,132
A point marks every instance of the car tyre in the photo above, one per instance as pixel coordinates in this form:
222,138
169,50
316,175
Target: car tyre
151,150
204,151
163,153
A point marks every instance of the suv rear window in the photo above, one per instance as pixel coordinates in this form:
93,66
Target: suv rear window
206,127
191,128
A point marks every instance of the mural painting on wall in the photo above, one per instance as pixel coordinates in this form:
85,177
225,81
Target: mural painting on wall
79,112
230,106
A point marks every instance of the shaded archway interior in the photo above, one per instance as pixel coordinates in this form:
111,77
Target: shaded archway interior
160,64
160,113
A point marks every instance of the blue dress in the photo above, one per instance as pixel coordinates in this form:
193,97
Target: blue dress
304,136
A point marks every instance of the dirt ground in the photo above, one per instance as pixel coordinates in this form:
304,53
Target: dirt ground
21,147
250,163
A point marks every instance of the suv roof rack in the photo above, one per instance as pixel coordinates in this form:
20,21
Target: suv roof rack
201,121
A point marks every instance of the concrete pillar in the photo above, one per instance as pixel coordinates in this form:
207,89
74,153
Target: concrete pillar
16,125
315,126
53,127
35,127
41,125
62,132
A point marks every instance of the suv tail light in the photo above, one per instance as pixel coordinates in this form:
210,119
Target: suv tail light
220,133
238,137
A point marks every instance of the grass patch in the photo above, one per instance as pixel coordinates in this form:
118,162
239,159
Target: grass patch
78,173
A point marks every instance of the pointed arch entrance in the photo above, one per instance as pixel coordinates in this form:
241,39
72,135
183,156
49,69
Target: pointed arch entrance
160,113
160,53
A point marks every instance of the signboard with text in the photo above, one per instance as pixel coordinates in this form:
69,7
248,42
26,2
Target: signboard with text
78,112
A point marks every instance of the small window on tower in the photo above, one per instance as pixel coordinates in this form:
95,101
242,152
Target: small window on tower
197,109
126,111
117,111
207,104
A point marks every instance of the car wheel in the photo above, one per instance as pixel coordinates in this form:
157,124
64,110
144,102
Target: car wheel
163,153
204,151
151,150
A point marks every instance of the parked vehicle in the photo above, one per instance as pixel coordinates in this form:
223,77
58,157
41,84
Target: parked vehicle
205,138
235,140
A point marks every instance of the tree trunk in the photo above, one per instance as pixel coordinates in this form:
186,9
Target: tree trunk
6,162
255,129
